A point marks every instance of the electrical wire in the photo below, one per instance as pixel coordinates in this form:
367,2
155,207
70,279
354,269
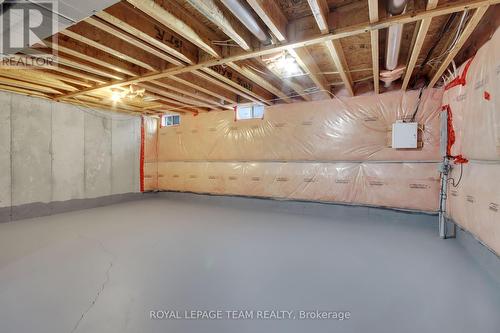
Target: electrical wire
460,178
418,104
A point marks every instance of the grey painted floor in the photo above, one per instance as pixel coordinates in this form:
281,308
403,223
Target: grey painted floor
105,269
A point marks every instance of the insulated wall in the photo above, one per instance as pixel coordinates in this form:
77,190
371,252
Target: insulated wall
473,98
55,153
335,150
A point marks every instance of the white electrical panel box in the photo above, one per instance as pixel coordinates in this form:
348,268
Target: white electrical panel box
404,135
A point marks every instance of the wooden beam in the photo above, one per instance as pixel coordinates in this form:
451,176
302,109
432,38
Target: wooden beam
27,85
237,81
123,16
188,92
78,74
320,12
248,73
313,40
471,25
189,29
63,60
338,57
308,65
65,78
27,92
197,83
105,26
422,32
223,85
273,17
179,97
231,28
373,13
87,34
96,59
288,81
36,77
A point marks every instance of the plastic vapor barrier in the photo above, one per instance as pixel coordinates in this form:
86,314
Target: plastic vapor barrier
473,99
350,129
335,150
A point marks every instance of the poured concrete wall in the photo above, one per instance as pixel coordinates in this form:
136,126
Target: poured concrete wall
55,152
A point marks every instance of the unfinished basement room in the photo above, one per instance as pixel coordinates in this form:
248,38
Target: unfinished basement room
253,166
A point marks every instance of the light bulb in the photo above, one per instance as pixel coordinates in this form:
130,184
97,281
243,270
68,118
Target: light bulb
116,96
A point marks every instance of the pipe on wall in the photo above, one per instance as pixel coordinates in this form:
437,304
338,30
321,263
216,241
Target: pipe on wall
246,18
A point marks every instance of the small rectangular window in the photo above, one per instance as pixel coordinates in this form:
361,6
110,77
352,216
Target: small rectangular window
255,111
170,120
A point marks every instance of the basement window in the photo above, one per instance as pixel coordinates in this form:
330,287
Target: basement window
170,120
255,111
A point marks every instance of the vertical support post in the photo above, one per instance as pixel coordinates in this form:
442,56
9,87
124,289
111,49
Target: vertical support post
444,169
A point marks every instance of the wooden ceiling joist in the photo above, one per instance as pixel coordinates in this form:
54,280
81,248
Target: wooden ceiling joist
320,12
96,59
197,83
65,78
105,26
248,73
78,74
189,92
232,29
27,85
308,65
273,17
233,79
422,33
374,41
109,45
348,31
179,97
189,28
471,25
136,23
37,77
27,92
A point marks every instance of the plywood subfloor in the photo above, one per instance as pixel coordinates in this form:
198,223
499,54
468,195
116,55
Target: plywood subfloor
104,269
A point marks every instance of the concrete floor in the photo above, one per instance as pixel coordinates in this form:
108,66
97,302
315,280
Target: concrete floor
105,269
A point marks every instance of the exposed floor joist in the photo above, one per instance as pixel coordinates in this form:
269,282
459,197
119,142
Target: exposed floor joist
471,25
374,41
422,33
101,53
189,29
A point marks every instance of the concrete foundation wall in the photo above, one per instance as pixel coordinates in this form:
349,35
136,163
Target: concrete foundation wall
56,152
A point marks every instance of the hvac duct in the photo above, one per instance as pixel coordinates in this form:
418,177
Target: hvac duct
393,40
246,18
